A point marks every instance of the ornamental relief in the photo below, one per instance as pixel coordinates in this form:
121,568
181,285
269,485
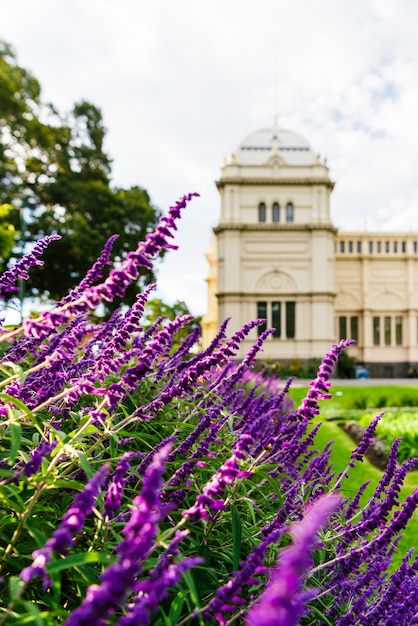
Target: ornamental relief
346,301
276,281
387,299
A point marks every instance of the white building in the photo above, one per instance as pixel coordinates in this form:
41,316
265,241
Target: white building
276,254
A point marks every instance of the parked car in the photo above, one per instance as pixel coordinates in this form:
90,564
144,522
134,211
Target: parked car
362,371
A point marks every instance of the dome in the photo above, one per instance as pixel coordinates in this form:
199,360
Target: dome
258,147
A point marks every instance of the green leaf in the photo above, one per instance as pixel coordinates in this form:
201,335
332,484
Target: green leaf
16,585
236,537
85,464
250,506
193,594
35,613
16,438
78,560
15,402
175,609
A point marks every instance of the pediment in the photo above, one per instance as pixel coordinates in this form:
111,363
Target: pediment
346,301
388,299
276,281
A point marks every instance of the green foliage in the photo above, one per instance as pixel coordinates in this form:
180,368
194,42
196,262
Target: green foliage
396,424
346,366
8,234
295,368
156,308
349,402
58,168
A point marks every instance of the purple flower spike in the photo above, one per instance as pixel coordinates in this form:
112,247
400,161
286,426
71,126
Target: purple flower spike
37,456
225,475
21,267
118,580
119,278
115,489
319,387
283,601
95,272
72,523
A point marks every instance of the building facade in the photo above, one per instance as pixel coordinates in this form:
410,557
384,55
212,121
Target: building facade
275,254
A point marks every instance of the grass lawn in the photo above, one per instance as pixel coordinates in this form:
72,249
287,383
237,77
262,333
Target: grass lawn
342,404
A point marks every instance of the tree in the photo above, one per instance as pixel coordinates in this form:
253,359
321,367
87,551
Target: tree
8,234
156,308
59,169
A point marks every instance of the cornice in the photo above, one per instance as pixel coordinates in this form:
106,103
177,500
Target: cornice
253,181
276,227
298,295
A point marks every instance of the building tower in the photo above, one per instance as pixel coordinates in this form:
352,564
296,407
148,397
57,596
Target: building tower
272,253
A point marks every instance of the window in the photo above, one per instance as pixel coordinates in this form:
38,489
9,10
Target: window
398,330
262,314
354,328
342,325
387,247
289,212
370,247
395,247
290,320
387,331
342,246
359,247
350,246
276,212
279,315
404,247
415,247
262,212
379,246
376,331
276,319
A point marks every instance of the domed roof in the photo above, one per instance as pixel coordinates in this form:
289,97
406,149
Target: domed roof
259,146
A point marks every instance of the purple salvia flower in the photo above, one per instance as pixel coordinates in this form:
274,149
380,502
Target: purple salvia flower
249,358
21,267
152,591
118,580
114,491
37,455
358,453
389,597
352,505
229,595
31,466
148,458
318,388
225,475
119,279
71,524
283,601
199,370
95,273
121,335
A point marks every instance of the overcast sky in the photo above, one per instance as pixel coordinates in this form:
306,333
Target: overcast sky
182,82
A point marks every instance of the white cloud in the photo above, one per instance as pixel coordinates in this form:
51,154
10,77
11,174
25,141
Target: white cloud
181,83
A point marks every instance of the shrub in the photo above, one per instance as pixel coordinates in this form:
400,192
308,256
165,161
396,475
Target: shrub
398,425
142,484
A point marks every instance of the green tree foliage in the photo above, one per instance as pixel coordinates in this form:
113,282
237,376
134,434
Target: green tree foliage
156,308
7,234
59,169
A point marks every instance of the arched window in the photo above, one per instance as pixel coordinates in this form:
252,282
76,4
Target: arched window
261,212
276,212
289,212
